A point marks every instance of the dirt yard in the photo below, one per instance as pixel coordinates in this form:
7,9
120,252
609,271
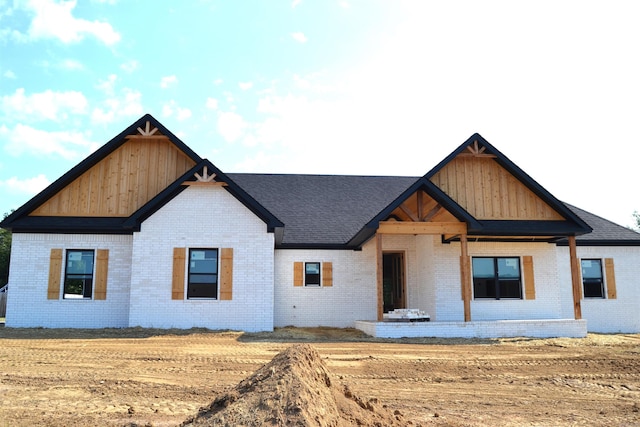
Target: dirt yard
139,377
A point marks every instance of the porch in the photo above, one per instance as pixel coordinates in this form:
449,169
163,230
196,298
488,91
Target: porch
537,328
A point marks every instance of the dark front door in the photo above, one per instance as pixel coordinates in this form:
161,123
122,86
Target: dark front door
393,281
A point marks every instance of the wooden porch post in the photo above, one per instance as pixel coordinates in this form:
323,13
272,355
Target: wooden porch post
379,276
575,278
465,279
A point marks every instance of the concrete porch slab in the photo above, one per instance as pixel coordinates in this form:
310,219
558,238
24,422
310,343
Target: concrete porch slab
538,328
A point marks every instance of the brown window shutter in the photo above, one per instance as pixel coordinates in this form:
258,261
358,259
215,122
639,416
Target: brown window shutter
327,274
529,282
226,274
298,274
55,268
102,267
177,283
610,278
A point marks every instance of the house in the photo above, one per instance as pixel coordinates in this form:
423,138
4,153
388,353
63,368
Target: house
144,232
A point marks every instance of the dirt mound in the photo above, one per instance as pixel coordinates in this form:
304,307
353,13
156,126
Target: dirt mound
294,389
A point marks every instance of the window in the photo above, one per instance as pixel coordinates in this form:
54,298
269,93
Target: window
592,280
312,274
78,276
497,278
203,273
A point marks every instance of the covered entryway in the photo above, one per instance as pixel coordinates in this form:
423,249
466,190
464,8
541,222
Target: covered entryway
393,281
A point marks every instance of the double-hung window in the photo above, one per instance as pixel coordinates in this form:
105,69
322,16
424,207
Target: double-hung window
203,273
497,278
78,275
592,278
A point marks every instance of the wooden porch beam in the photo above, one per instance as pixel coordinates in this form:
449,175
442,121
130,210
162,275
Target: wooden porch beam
465,277
575,278
379,276
438,228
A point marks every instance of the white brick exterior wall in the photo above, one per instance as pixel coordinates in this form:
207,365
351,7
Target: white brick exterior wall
352,296
27,303
546,305
433,285
607,315
203,217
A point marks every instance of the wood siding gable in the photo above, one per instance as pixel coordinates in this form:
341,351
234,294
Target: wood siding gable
488,191
123,181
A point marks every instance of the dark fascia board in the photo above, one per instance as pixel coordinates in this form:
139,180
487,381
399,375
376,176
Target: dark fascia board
135,221
587,242
91,161
527,228
581,226
70,225
324,246
432,190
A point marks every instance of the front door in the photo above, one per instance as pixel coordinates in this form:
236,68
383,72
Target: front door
393,282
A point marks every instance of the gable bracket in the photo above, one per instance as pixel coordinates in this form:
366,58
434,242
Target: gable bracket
147,130
205,179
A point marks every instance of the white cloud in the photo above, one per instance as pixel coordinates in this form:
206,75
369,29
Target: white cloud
218,82
299,37
167,81
9,74
126,103
295,3
107,86
130,66
172,109
23,139
48,105
245,85
55,20
71,64
212,103
231,126
25,186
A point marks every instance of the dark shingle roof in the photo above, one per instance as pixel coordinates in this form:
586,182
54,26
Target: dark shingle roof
322,210
329,210
605,232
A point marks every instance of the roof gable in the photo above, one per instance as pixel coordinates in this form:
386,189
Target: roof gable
123,183
496,192
203,173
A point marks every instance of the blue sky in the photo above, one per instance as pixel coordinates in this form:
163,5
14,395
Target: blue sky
364,87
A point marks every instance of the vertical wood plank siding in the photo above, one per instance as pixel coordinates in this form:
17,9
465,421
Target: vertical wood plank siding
487,191
122,182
